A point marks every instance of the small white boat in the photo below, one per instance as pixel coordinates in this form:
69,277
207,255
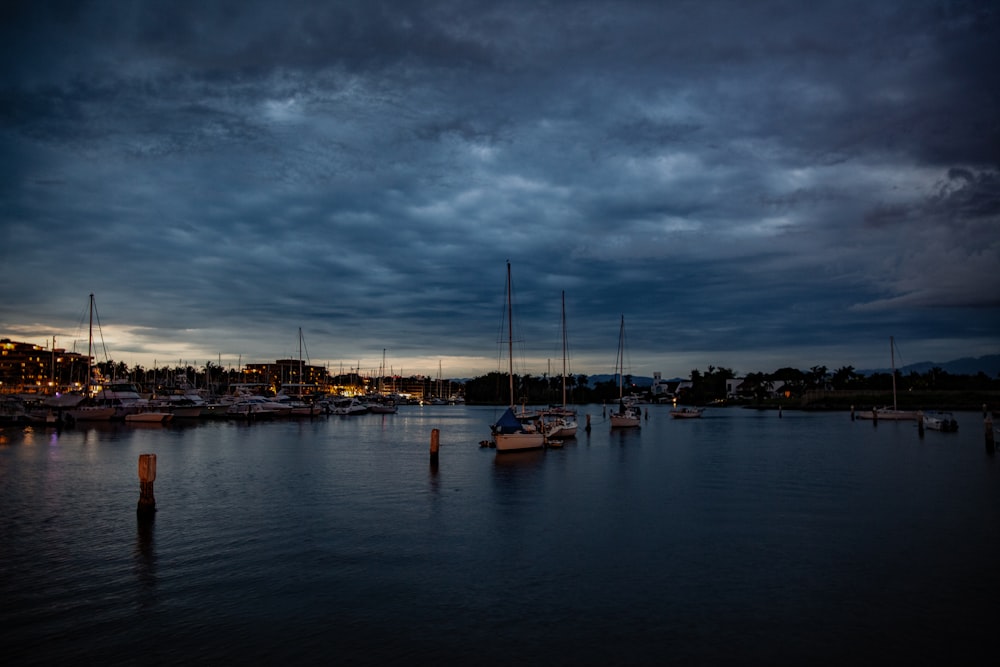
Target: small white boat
382,407
686,412
348,406
559,428
940,421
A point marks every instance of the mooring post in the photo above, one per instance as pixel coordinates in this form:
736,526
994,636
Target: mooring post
147,475
988,428
435,443
920,423
779,412
852,413
588,423
874,416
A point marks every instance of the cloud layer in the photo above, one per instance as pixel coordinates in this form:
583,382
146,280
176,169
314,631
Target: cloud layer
751,184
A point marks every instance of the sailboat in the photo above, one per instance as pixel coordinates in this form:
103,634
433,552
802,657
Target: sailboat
628,415
87,410
293,397
509,433
893,413
382,404
560,423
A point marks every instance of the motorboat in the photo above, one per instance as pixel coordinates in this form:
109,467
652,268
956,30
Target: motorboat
347,406
149,416
684,412
940,421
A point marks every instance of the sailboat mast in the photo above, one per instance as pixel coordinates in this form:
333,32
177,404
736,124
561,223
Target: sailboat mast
892,357
621,359
90,341
564,348
510,339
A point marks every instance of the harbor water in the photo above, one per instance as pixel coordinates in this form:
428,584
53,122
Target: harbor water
743,537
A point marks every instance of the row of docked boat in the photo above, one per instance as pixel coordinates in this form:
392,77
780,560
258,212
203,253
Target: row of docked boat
122,401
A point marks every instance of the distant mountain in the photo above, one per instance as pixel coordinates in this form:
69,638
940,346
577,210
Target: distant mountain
989,364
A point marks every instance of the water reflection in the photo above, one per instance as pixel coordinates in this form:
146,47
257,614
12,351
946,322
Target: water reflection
526,460
144,556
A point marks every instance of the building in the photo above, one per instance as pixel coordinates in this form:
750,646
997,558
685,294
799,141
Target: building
28,368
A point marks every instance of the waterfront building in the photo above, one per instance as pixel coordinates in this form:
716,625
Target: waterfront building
27,368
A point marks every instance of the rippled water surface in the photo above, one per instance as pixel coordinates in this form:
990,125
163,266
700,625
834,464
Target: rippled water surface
739,538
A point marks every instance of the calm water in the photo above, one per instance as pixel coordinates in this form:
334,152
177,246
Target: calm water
740,538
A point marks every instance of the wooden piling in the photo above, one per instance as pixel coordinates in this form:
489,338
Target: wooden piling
588,423
988,428
852,413
779,412
147,475
920,423
874,416
435,444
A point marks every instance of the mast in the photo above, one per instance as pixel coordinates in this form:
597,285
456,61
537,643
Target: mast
510,339
300,361
892,357
621,360
564,348
90,342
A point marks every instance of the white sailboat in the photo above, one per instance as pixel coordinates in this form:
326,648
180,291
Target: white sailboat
87,410
560,423
893,413
509,433
628,415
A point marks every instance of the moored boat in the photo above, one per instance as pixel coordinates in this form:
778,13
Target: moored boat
629,415
684,412
347,406
893,413
91,413
149,416
510,433
940,421
559,422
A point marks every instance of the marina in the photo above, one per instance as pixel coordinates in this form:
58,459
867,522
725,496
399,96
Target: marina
740,537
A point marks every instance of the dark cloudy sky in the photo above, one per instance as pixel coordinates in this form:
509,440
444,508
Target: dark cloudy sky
751,184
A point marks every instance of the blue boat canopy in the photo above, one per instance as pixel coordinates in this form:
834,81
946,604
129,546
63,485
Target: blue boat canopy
507,423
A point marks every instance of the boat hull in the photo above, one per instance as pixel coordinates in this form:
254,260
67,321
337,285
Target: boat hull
92,414
149,417
562,432
514,442
624,421
888,414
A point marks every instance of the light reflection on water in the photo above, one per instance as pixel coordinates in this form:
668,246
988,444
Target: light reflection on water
738,537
